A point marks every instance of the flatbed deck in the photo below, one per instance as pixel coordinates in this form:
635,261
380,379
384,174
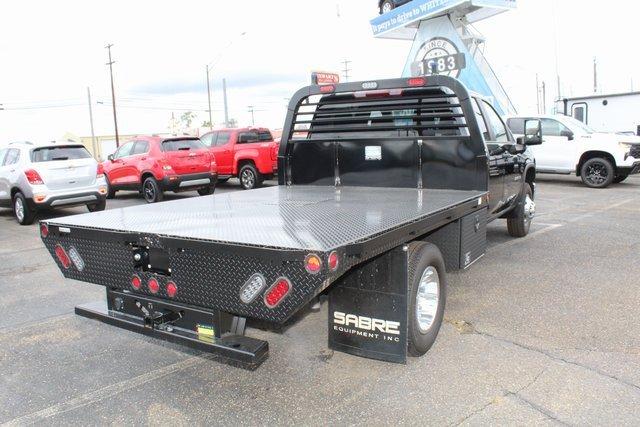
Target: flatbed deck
318,218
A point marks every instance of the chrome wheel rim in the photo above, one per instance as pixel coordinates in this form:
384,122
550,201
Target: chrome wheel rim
427,299
597,173
386,7
529,208
149,191
19,208
248,180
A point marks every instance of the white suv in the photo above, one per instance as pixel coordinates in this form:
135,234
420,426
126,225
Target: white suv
571,147
36,177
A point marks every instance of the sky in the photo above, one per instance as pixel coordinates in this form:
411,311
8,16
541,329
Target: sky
51,52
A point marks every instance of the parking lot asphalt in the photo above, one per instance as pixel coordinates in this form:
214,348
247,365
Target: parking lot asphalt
542,330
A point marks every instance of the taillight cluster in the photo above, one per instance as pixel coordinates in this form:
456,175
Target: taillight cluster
154,286
33,177
100,171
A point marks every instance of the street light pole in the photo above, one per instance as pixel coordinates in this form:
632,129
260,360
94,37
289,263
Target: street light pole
113,95
251,110
93,135
209,96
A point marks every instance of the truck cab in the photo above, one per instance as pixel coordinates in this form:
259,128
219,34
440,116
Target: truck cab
245,153
571,147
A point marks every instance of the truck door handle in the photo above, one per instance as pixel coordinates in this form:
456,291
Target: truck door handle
143,158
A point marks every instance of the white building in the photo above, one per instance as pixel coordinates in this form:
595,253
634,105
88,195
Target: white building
617,112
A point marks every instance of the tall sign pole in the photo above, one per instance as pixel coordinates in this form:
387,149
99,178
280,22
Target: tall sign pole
113,95
226,109
93,135
209,98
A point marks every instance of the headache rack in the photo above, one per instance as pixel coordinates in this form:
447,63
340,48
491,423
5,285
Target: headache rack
390,133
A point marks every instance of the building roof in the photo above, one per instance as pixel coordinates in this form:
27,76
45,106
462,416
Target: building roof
598,96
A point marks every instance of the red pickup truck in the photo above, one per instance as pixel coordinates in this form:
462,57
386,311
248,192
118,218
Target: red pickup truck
249,154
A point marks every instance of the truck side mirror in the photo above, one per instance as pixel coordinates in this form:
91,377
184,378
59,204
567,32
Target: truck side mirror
110,157
532,132
568,134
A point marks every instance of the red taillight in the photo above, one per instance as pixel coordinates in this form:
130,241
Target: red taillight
44,230
136,282
62,256
100,171
154,286
333,261
33,177
417,81
327,88
277,292
274,152
313,263
172,289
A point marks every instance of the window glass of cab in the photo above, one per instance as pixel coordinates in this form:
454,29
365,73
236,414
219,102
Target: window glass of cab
209,139
49,154
516,125
12,157
3,153
551,127
495,122
124,151
481,124
140,147
223,138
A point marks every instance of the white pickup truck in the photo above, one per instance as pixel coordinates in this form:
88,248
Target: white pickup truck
569,146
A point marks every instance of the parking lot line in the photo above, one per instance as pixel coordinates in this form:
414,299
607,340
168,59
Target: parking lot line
106,392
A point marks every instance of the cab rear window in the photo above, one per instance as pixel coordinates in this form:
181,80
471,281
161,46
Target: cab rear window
182,144
49,154
265,135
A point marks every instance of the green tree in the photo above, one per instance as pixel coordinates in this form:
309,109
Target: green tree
187,118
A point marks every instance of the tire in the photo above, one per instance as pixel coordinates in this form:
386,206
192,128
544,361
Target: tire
100,206
519,223
386,6
424,263
249,177
21,210
207,191
597,173
151,190
111,192
619,178
222,180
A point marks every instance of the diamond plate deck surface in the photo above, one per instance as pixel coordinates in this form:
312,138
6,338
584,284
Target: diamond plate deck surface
298,217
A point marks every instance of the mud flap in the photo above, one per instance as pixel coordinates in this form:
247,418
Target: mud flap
368,309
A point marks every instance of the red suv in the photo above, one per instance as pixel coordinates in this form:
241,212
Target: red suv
247,153
153,164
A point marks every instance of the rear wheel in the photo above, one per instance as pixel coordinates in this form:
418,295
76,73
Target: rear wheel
100,206
597,173
207,191
619,178
520,222
426,294
386,6
249,177
23,213
111,192
151,190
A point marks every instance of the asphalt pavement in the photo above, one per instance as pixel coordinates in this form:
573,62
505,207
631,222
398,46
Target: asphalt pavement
542,330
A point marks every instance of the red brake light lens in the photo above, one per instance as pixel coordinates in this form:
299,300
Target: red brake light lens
277,292
172,289
136,282
44,230
417,81
33,177
100,171
313,263
154,286
62,256
327,88
333,261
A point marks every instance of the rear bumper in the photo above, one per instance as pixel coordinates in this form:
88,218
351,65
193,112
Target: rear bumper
189,182
68,200
629,170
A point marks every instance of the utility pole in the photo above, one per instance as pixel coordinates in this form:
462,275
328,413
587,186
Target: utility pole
209,97
93,135
537,94
224,97
544,97
346,69
253,119
113,95
595,76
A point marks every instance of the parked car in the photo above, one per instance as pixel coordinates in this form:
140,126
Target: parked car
571,147
388,5
37,177
153,165
249,154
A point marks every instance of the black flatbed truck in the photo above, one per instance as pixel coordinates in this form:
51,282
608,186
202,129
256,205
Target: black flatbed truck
383,187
